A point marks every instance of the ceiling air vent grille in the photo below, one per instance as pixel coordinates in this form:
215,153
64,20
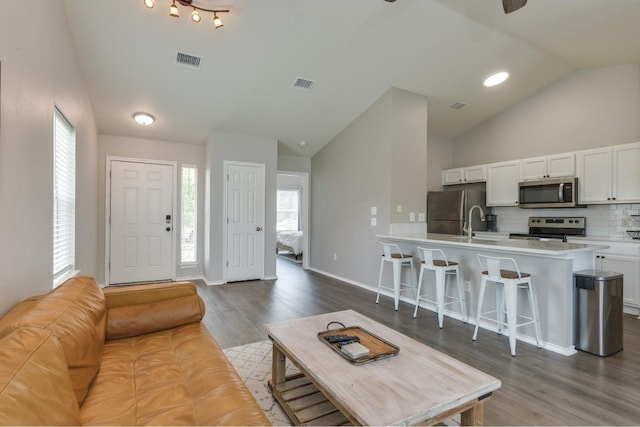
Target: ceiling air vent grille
188,60
457,105
303,84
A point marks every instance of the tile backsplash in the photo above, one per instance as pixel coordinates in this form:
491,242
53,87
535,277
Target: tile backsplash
602,220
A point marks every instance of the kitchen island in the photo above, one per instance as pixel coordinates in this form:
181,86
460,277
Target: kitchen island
550,263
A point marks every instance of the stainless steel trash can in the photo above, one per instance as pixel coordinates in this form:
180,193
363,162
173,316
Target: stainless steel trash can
598,311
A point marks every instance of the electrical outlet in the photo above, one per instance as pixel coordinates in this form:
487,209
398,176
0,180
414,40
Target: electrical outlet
421,217
374,210
467,286
335,257
412,216
398,208
374,222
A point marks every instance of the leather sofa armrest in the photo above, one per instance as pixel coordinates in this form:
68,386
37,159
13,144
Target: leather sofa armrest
138,310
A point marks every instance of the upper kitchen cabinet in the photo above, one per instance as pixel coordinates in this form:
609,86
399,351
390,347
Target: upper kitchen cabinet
464,175
502,183
610,174
555,166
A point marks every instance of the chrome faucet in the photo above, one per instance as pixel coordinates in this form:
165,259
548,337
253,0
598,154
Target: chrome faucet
470,230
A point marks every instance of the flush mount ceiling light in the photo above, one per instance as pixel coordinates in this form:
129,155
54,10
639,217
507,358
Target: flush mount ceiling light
496,78
195,14
145,119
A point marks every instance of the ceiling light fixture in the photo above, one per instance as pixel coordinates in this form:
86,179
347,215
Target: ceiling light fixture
195,15
145,119
496,78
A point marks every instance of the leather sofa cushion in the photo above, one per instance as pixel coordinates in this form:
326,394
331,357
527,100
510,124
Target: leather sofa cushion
117,296
131,320
171,377
75,313
35,388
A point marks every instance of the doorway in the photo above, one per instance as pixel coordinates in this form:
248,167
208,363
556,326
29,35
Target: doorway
244,189
292,228
140,214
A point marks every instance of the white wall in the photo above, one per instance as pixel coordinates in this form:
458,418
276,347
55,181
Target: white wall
134,148
591,108
39,69
294,163
242,148
409,154
359,169
439,158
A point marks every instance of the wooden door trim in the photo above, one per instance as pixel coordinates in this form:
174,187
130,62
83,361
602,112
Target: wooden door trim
107,210
225,226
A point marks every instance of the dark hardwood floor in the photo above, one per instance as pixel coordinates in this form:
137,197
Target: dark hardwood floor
538,387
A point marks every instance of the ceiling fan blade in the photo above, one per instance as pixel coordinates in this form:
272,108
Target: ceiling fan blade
512,5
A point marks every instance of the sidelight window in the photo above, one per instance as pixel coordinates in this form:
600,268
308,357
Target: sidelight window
188,215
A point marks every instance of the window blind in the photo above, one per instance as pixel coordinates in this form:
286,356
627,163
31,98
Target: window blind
189,215
64,196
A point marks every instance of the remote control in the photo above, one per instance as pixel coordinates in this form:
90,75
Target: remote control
332,339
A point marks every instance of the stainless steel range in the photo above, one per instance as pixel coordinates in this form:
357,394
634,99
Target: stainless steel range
556,228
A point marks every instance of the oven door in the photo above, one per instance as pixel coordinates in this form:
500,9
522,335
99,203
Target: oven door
548,193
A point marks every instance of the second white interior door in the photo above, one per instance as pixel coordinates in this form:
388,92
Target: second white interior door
245,221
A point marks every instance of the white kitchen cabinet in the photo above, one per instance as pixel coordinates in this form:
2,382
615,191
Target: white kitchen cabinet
502,183
452,176
609,175
465,175
629,266
626,173
555,166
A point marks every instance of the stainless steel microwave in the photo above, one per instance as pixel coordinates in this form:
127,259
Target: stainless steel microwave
549,193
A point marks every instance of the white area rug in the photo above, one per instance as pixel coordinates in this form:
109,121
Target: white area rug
253,363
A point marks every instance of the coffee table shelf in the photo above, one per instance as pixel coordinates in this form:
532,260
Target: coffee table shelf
304,404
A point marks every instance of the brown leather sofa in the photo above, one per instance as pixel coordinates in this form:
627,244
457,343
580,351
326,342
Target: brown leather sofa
136,355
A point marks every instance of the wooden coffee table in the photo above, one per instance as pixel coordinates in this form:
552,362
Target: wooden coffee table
418,385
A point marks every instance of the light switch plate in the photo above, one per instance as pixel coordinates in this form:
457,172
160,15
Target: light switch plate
374,222
399,209
412,216
374,211
421,217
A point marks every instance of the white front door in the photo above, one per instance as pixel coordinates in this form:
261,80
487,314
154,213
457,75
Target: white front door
245,221
141,215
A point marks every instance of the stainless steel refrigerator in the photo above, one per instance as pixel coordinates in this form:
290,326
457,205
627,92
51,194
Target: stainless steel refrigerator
448,211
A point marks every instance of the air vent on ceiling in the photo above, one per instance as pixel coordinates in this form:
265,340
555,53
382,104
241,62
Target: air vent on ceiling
303,84
188,60
457,105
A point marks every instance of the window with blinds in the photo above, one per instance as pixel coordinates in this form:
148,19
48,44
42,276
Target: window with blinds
188,215
64,198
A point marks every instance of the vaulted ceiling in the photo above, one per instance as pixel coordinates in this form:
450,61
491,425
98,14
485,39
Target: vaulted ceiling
354,50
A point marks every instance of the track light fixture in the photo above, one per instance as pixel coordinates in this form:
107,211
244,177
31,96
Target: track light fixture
195,14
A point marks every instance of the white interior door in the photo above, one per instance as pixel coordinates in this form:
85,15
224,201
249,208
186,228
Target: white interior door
141,236
245,222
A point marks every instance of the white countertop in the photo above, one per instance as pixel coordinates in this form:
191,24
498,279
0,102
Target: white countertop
539,247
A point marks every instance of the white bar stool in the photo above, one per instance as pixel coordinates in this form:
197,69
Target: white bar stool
391,253
507,284
442,269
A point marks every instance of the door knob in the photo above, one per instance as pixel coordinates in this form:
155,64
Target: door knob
258,228
168,228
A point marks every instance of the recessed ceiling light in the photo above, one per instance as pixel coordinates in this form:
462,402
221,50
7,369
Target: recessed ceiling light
302,143
145,119
496,78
